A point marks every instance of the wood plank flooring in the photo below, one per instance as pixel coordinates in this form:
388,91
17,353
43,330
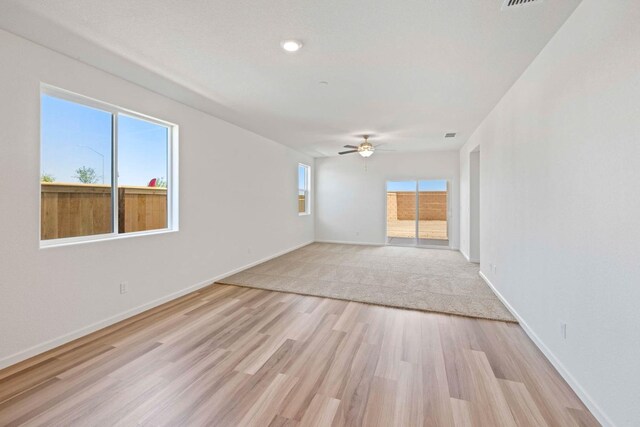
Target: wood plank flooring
232,356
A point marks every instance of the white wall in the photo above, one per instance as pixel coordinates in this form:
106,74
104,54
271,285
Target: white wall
465,200
351,202
474,206
469,158
238,204
560,203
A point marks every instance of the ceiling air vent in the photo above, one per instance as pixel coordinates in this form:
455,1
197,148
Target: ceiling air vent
450,135
510,4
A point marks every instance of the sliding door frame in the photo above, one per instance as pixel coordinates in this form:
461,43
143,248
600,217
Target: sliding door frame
417,220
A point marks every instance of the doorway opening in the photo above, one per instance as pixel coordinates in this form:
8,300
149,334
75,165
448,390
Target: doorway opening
418,213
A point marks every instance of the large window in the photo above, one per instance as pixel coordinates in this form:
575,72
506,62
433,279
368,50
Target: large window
104,171
304,206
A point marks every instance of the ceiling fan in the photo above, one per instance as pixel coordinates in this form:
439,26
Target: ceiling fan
365,149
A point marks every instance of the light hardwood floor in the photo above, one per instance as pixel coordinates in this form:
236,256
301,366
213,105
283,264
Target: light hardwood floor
232,356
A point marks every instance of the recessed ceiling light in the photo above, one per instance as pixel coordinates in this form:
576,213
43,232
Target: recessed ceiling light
324,82
291,45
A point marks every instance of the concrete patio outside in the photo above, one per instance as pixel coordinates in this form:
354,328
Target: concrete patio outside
429,229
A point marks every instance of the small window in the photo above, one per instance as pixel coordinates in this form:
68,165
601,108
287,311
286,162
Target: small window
303,190
104,171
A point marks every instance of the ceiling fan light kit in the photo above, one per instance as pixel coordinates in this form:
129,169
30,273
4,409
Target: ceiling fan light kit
365,149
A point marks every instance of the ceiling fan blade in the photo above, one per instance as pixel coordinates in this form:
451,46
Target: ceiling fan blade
350,146
384,149
347,152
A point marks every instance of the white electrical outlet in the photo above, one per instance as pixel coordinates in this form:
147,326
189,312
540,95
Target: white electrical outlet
563,330
124,287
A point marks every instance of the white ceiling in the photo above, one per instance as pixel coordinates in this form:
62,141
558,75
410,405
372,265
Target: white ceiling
407,71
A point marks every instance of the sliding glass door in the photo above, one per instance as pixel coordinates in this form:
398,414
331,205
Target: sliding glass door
401,213
433,208
417,213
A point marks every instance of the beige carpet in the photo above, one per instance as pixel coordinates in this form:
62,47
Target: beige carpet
415,278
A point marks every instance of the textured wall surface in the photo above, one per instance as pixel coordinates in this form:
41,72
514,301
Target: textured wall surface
48,296
559,205
352,201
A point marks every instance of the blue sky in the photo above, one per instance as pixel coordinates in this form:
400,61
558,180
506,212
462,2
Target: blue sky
74,135
430,185
301,177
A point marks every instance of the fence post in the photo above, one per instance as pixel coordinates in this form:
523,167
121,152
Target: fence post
121,210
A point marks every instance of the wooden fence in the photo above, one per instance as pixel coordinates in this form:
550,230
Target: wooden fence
401,205
301,204
70,210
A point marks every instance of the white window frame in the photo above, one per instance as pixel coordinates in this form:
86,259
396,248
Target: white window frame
172,170
307,190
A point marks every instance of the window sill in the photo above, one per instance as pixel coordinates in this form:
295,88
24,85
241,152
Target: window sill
71,241
304,213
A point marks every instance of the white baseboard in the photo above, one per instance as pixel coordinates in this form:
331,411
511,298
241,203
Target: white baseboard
446,248
468,258
79,333
344,242
260,261
564,373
